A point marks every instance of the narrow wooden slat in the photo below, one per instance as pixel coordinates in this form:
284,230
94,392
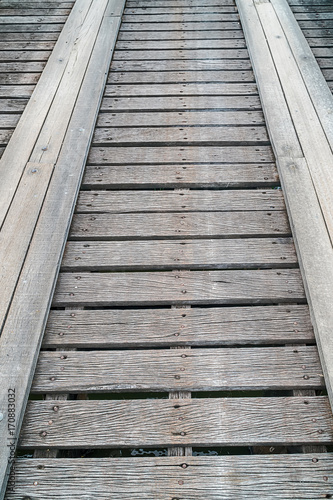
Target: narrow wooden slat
136,8
206,33
21,91
180,26
179,65
179,287
212,478
179,225
24,28
10,120
179,44
180,118
179,103
28,45
171,135
32,19
19,78
205,422
183,88
179,370
142,176
192,54
31,303
20,147
176,154
34,11
179,76
18,228
174,201
24,55
165,327
187,254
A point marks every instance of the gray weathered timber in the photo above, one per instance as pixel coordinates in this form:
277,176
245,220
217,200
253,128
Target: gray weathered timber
24,28
28,45
213,478
171,135
179,287
178,44
21,91
24,55
185,254
107,226
180,118
179,103
180,18
218,76
12,105
186,26
182,201
205,422
33,19
175,154
174,326
179,65
9,120
202,89
173,176
136,8
183,55
31,303
19,78
309,228
206,33
168,370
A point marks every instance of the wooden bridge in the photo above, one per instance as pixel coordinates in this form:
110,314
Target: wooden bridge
166,307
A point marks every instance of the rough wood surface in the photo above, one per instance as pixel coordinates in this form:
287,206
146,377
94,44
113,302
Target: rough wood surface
185,254
183,55
165,327
168,370
205,422
193,478
174,201
179,287
183,44
181,89
200,75
173,176
107,226
186,26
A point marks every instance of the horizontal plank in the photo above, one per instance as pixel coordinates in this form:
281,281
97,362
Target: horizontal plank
108,226
272,368
179,17
212,478
173,201
5,135
189,54
22,67
9,120
206,33
12,105
33,19
185,77
206,135
180,118
31,45
176,326
16,91
187,254
179,287
174,154
199,422
19,78
38,10
178,44
181,65
136,8
115,177
28,36
18,28
179,26
180,103
174,3
181,89
24,55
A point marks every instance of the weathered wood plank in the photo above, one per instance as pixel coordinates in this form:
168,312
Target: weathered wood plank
206,33
19,78
18,91
180,18
238,89
174,326
272,368
174,201
25,10
184,55
179,287
9,120
187,254
184,77
174,154
183,44
7,20
181,65
180,26
107,226
206,135
222,422
212,478
23,67
27,36
47,28
12,105
181,103
173,176
35,45
164,8
180,118
24,55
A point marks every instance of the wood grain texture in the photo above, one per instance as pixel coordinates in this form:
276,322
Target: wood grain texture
175,176
168,370
174,201
184,254
180,118
165,327
181,89
212,478
179,103
186,26
205,422
176,17
176,154
206,33
179,287
180,44
107,226
180,76
171,135
183,55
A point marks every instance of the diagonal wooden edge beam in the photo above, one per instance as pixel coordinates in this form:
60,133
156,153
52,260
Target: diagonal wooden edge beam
309,227
24,327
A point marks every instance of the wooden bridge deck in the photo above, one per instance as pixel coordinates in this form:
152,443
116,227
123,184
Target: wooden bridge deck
184,350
